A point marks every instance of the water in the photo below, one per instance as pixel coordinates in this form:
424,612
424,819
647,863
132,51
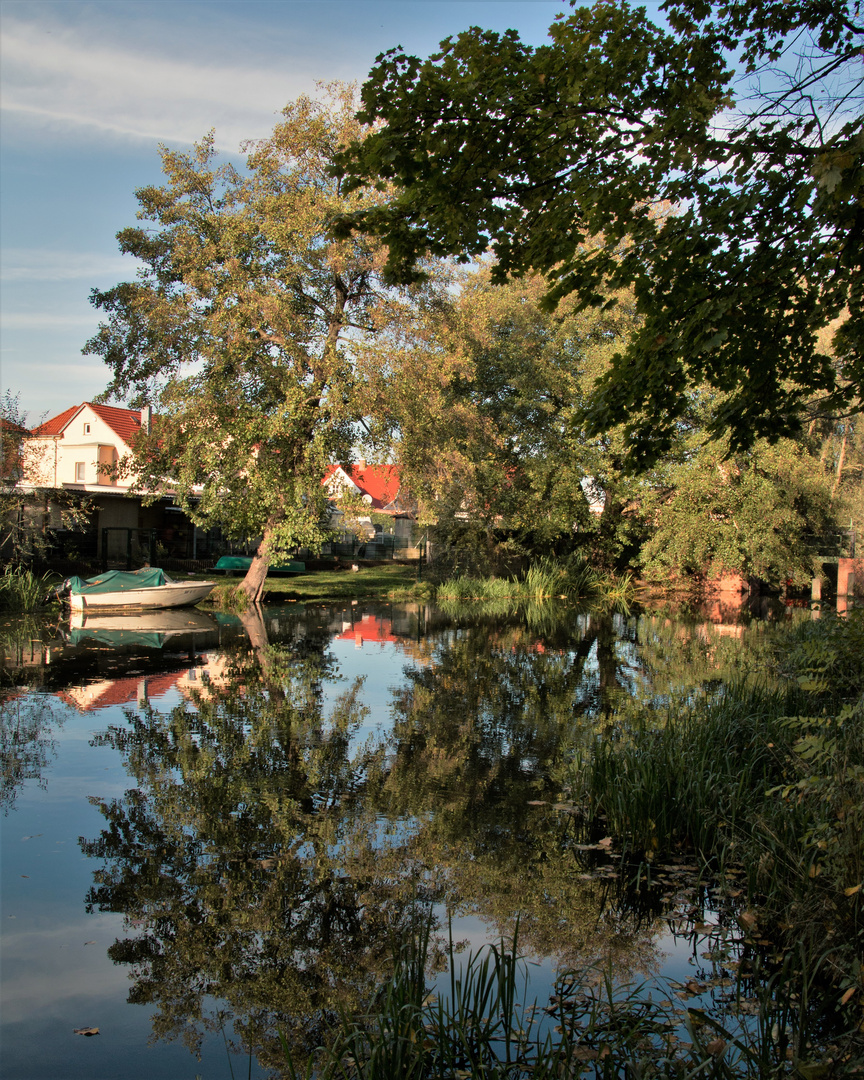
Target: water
217,828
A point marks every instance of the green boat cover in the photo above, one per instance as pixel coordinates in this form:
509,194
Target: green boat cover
243,562
139,638
118,581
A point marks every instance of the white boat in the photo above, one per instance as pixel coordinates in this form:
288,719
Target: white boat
139,589
165,622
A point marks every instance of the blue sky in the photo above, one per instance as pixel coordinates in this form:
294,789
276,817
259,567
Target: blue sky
89,90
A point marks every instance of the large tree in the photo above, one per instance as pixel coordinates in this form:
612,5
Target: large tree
745,117
498,449
252,331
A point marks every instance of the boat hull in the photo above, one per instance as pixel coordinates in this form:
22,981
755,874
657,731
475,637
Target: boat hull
175,594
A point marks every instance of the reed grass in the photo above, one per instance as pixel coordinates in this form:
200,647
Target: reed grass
545,579
484,1025
22,590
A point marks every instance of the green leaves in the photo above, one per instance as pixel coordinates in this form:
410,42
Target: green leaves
758,245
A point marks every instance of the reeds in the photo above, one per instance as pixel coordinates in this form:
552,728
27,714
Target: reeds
545,579
483,1025
22,590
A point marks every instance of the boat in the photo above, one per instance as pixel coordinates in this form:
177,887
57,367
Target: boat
150,628
239,564
145,588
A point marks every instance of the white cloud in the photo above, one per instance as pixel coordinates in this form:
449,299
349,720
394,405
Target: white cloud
39,264
46,320
64,77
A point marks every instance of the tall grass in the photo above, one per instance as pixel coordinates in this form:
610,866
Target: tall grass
545,579
768,782
22,590
483,1025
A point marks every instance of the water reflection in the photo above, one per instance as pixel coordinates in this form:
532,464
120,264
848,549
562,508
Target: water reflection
268,853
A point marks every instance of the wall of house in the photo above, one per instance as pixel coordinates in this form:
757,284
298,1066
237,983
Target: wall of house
74,459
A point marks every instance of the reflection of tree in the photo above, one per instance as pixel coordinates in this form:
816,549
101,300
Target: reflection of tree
477,737
245,856
265,862
26,745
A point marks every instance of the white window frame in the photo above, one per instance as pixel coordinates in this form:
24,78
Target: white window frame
86,429
80,472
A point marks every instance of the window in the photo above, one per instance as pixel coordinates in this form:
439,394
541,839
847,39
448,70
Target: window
86,429
79,472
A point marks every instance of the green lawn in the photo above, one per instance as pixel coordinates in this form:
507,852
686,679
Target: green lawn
386,580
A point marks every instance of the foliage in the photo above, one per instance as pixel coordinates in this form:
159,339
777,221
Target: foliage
497,452
758,166
771,783
257,335
752,513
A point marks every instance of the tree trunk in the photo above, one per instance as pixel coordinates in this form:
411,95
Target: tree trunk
253,584
840,463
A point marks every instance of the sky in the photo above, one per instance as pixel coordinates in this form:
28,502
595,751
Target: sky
90,89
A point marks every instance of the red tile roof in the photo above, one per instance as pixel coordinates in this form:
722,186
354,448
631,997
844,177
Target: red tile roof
123,422
369,628
56,424
120,691
381,482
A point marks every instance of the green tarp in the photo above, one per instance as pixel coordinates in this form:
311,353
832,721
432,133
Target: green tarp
242,563
118,581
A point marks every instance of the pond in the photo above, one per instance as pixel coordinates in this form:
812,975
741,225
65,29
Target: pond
217,827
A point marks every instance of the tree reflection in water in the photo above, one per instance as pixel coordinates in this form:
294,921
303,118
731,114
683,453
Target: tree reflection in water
268,866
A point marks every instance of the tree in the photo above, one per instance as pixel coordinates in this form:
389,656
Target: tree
253,331
584,138
757,513
498,448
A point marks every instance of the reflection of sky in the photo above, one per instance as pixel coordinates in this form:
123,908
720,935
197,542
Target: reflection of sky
53,982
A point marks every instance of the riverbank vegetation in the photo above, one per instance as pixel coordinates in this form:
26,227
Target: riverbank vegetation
762,789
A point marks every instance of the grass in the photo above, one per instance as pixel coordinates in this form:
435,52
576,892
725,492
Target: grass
386,580
545,579
22,590
484,1025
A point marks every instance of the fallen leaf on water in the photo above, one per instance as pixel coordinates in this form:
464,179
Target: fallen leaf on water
848,995
852,891
89,942
747,920
605,842
537,802
716,1047
85,1031
25,875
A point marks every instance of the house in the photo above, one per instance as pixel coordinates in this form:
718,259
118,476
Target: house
75,452
378,486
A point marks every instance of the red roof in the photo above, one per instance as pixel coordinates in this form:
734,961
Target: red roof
380,482
56,424
369,628
123,422
121,691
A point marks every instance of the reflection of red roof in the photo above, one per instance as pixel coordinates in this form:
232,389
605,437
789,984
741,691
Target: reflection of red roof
123,422
120,691
381,482
369,629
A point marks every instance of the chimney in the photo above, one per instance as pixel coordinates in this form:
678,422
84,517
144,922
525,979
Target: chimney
146,418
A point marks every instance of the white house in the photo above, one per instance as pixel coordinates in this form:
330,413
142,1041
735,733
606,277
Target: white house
75,450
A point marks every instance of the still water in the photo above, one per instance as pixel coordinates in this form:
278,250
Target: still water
217,827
